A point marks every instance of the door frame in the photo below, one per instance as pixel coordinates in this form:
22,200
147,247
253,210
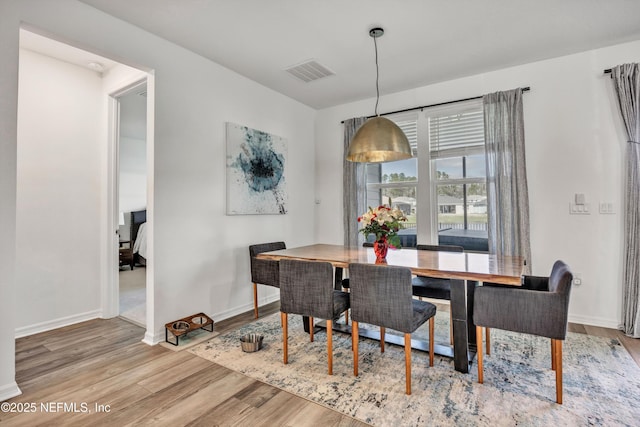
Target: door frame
110,297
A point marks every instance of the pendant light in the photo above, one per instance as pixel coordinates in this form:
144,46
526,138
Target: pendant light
378,139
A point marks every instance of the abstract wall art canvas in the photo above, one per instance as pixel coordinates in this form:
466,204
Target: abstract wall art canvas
255,172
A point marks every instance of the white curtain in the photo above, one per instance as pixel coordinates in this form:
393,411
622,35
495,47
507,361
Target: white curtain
626,80
353,187
507,194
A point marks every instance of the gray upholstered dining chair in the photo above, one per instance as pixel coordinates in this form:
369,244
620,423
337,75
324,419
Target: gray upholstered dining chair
263,271
435,287
536,312
307,288
381,296
345,282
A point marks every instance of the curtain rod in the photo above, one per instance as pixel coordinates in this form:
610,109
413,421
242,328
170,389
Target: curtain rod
607,71
524,89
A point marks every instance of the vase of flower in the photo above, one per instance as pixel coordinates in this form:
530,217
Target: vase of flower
384,223
380,248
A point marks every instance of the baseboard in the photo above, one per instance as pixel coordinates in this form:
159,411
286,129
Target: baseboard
151,338
595,321
8,391
244,308
36,328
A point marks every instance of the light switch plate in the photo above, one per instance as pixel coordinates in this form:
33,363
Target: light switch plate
575,209
606,208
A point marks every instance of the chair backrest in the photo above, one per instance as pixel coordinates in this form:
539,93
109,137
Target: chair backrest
265,271
560,281
381,295
560,278
443,248
306,287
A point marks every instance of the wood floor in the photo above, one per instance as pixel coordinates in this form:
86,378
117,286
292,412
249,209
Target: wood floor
105,375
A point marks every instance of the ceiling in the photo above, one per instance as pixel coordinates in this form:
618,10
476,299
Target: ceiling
425,41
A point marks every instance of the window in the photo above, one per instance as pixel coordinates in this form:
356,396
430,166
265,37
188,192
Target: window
442,189
456,146
396,183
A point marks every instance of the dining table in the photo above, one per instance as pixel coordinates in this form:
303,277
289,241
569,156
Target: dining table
466,270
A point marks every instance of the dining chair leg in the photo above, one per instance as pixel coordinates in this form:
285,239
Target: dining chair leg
330,345
310,328
407,360
488,340
431,343
354,343
346,317
479,353
382,333
553,354
558,358
255,300
285,346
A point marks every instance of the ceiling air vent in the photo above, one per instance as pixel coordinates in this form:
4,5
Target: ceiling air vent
309,71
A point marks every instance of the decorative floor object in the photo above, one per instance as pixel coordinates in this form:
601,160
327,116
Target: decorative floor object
182,327
601,381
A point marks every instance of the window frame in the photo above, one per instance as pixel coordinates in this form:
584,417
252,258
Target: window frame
427,210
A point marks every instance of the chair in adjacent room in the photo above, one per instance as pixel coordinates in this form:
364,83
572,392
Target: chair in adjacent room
307,289
536,312
434,287
263,271
381,296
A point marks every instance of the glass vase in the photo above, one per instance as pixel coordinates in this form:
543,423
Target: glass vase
380,248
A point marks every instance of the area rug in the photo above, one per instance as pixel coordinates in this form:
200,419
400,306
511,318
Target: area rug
601,381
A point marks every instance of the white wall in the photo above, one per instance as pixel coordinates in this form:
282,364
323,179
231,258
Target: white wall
200,254
58,234
9,38
574,144
133,153
133,174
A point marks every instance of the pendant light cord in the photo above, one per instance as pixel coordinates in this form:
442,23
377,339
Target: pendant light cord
375,44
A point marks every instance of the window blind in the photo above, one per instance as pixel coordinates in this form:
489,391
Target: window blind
456,134
408,122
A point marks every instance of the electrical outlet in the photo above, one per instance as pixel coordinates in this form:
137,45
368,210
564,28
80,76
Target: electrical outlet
577,279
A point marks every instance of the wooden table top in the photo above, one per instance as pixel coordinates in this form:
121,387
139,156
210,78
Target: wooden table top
452,265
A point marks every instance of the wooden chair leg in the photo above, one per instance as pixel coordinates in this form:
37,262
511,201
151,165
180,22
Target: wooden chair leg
558,358
346,317
431,343
255,300
382,333
285,346
310,328
488,339
354,343
407,360
553,354
330,345
479,353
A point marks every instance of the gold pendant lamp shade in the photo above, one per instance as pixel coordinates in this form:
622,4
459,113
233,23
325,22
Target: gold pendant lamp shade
378,139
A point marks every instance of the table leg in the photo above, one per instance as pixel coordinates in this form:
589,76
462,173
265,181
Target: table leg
463,328
338,278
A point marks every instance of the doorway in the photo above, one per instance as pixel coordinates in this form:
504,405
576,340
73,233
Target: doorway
132,202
